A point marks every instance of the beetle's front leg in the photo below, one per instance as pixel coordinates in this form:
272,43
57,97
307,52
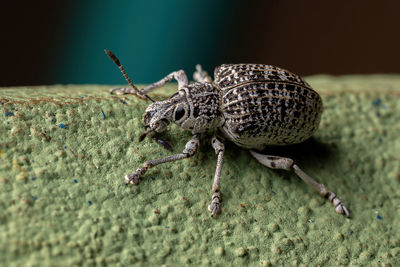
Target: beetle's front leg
190,149
180,76
219,148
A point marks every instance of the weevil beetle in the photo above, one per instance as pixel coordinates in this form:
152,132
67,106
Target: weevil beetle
252,105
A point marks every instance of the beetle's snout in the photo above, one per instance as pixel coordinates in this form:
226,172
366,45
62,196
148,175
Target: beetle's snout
153,120
156,118
154,127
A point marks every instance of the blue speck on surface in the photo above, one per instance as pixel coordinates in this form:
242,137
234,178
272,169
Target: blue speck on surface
75,181
167,226
273,192
30,117
379,217
104,115
351,232
62,125
33,178
9,114
153,178
65,147
35,197
362,188
122,101
90,203
313,221
376,102
380,139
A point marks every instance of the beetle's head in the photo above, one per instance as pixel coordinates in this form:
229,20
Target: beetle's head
159,114
195,107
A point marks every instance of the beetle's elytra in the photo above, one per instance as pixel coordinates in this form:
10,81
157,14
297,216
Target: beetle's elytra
265,105
252,105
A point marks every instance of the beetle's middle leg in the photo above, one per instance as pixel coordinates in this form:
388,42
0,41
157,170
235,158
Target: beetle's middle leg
201,75
219,148
275,162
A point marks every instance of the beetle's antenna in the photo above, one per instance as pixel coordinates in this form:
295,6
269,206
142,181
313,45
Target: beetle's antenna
116,61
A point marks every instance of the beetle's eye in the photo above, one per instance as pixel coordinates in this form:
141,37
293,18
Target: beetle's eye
179,113
146,118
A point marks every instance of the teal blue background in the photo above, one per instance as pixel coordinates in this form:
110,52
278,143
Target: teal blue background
50,42
151,39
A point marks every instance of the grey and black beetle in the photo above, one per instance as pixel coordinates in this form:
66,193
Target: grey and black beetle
252,105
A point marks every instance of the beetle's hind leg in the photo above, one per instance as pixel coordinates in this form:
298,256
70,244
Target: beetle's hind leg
219,148
275,162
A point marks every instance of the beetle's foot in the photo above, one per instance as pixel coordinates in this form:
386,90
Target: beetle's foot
340,207
133,178
122,91
214,207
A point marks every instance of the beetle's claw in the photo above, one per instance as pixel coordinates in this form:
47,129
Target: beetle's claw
342,209
133,178
214,207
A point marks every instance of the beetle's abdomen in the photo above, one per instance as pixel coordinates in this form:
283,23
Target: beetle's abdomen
266,105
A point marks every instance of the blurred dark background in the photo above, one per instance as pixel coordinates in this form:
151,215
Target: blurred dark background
47,42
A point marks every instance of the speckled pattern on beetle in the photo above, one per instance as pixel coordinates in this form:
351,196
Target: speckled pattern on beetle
252,105
266,105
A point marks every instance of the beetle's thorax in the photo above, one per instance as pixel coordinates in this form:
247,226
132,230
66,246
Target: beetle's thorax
195,108
204,100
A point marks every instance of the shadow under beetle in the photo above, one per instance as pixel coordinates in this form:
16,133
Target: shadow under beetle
252,105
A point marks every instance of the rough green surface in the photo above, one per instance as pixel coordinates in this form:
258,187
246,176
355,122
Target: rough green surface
63,201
